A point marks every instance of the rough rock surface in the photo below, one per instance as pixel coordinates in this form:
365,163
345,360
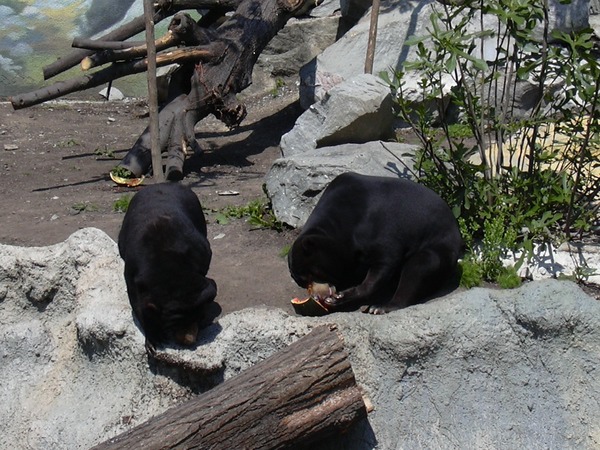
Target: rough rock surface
475,369
399,20
358,110
294,184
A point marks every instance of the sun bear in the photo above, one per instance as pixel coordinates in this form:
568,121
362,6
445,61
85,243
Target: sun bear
167,256
382,243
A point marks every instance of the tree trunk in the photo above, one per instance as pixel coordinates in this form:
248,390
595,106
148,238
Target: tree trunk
298,396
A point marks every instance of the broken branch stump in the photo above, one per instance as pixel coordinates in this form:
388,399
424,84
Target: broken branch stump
302,394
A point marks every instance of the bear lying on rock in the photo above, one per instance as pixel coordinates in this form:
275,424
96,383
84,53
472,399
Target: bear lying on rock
382,242
167,255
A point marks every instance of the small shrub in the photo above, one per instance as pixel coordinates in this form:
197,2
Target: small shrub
513,179
471,273
508,278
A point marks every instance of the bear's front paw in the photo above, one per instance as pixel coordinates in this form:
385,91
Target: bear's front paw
375,309
334,300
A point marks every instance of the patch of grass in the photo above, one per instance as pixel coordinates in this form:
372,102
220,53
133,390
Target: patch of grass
122,203
106,153
471,273
279,84
84,207
509,278
257,212
68,143
285,251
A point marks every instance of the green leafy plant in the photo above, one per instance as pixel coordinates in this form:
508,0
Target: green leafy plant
512,178
122,172
68,143
257,212
84,207
279,85
107,153
471,273
122,203
508,278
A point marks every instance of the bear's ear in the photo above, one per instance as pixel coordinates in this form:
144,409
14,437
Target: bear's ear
158,232
307,243
314,243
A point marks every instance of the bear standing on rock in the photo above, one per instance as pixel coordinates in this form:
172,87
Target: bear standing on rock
167,255
382,242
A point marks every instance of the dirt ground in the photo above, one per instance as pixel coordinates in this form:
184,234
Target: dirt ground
55,160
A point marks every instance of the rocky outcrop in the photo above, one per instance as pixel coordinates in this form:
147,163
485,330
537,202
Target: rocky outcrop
356,111
399,20
294,184
476,369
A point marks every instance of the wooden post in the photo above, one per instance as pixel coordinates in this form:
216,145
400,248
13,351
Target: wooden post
157,169
372,37
295,398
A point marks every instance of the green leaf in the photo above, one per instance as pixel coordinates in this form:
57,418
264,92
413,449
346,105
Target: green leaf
413,40
221,219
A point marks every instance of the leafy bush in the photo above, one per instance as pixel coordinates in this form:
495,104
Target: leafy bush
512,180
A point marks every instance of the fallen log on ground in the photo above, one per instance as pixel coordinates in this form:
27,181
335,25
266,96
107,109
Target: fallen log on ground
300,395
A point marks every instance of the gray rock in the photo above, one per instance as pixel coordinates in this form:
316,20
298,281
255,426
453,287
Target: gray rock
481,368
294,184
296,44
112,94
397,21
359,110
301,40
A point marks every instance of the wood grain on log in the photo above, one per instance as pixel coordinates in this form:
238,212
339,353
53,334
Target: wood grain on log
302,394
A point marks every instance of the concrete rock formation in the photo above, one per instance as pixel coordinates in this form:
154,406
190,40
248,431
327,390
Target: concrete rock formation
294,184
482,368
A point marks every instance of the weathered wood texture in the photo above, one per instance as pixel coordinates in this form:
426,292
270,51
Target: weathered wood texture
302,394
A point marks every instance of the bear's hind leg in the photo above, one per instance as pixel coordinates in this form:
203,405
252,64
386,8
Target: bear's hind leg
423,274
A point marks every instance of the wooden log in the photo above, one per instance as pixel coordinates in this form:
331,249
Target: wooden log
73,58
298,396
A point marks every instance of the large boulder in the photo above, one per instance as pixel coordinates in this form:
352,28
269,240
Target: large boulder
358,110
399,20
294,184
482,368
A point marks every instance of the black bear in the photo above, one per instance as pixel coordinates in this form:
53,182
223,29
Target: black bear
167,255
381,242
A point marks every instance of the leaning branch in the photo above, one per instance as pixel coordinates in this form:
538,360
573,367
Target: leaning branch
93,44
182,30
125,54
113,72
70,60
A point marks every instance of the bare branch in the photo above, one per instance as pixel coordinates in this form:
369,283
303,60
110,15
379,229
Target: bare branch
98,59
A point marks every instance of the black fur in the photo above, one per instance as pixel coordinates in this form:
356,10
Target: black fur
167,255
383,242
